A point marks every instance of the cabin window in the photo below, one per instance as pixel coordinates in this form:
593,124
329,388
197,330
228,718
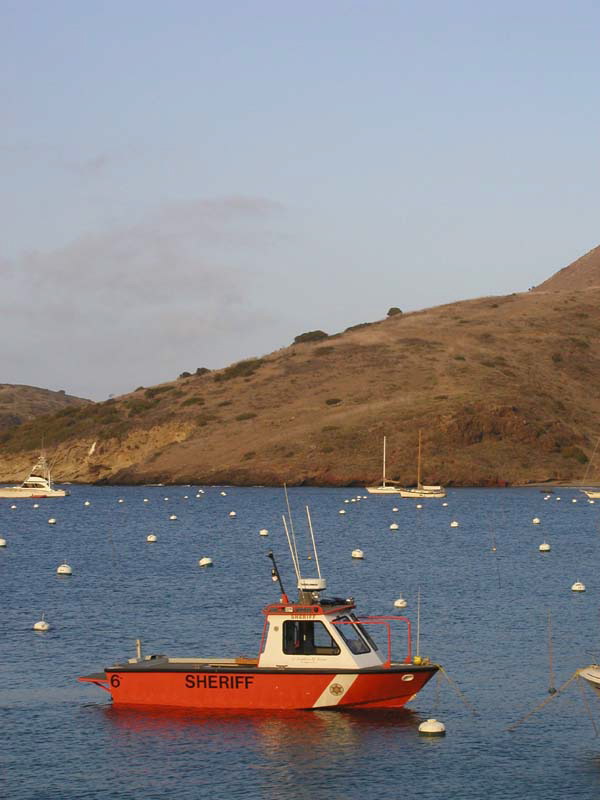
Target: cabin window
308,638
362,629
352,636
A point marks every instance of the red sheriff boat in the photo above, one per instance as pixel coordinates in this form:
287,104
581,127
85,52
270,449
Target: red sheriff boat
315,653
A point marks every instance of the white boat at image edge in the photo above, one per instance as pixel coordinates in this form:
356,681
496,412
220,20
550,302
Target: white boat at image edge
421,490
37,484
591,675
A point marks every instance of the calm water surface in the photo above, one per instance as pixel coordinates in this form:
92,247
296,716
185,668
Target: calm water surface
484,617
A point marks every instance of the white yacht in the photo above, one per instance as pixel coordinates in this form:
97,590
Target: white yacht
37,484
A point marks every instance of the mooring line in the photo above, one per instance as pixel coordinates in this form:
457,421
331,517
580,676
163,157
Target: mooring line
514,725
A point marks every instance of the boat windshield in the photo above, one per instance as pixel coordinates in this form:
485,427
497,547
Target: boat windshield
306,637
352,635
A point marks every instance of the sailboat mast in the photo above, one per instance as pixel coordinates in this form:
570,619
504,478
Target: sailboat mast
419,463
383,479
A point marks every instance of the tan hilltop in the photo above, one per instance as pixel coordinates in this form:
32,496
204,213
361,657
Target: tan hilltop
19,403
503,388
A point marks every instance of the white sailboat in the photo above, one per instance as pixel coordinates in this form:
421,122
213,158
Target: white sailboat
384,488
37,484
422,490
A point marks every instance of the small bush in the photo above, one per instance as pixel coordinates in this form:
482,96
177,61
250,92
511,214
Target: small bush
459,358
393,311
191,401
310,336
330,428
185,375
205,418
243,369
556,358
225,403
154,390
574,452
358,327
333,401
247,456
245,415
202,370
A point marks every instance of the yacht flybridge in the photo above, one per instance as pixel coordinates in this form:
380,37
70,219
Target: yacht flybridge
314,653
37,484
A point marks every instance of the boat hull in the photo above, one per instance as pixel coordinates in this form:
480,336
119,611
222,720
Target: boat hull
16,492
381,490
421,493
256,689
591,674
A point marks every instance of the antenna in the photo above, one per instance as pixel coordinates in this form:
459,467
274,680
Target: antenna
292,539
312,536
418,622
294,557
277,576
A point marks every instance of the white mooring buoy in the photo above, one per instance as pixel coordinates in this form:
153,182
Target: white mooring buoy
205,562
578,586
2,542
544,547
394,526
173,517
13,506
223,494
86,503
400,602
432,727
51,521
263,532
444,504
232,514
42,625
574,500
395,509
535,521
341,511
120,500
36,505
419,505
346,501
64,569
454,524
146,500
358,553
151,537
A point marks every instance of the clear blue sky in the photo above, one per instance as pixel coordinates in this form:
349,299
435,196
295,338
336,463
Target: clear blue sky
187,184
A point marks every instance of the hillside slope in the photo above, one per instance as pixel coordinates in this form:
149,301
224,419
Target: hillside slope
502,387
19,404
584,273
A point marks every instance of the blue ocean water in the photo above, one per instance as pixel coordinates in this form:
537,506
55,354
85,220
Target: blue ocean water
484,616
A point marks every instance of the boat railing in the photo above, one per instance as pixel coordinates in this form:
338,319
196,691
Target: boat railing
384,621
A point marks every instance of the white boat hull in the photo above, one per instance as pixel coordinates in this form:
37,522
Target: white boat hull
591,675
382,490
16,492
593,494
421,493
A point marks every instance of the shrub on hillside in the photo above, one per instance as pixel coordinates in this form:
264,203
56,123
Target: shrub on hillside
243,369
202,370
310,336
333,401
394,310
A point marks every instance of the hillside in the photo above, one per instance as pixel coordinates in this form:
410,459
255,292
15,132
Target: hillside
502,387
584,273
19,404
